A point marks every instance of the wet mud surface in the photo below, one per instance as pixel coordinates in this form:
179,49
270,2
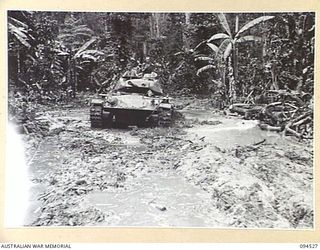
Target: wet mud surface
210,170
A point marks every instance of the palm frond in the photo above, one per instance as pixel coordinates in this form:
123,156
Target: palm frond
85,46
213,47
59,50
224,23
73,35
18,30
199,45
56,67
222,48
253,23
218,36
91,51
178,53
88,56
20,33
110,55
17,22
62,53
81,29
23,41
204,58
205,68
249,39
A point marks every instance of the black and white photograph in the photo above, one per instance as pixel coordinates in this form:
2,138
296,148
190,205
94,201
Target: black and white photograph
160,119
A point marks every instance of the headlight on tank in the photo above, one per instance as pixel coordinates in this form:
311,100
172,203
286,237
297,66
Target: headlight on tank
154,102
110,102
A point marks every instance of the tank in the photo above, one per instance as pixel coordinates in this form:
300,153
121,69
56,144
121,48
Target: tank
134,100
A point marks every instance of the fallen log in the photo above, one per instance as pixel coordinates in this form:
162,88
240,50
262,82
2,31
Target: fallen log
291,105
247,110
287,112
273,104
301,116
302,121
267,127
285,96
288,129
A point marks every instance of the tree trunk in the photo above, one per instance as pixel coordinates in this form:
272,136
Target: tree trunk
18,63
223,76
156,15
73,78
151,25
274,77
144,50
235,61
264,42
232,91
299,85
70,76
155,25
185,32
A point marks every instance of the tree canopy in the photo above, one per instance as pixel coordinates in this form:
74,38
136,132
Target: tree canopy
229,53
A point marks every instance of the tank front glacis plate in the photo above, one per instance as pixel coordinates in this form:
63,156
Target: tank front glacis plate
130,116
132,101
97,101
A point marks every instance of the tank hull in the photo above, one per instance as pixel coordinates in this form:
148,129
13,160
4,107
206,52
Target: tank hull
128,116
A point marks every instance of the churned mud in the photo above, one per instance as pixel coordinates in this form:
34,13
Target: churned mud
208,170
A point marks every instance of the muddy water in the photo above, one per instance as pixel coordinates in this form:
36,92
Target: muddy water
45,160
239,133
230,132
168,199
157,200
200,114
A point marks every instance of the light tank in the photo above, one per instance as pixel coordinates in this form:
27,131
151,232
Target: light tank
135,100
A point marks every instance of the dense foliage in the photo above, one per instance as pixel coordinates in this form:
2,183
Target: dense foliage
230,55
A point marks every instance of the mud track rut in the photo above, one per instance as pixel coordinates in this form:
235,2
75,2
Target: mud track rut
202,176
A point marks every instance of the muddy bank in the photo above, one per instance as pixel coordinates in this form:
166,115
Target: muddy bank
256,186
209,171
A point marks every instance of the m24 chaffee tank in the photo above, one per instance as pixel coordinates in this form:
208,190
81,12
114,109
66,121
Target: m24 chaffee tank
135,100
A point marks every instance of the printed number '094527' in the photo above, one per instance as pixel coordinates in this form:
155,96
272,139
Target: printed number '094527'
308,246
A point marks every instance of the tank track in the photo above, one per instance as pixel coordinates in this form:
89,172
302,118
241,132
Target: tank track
165,118
96,117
